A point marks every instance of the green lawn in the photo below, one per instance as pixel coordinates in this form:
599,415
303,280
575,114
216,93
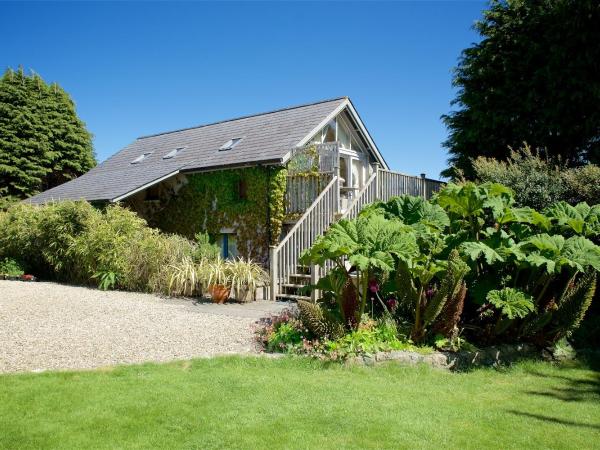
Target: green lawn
293,403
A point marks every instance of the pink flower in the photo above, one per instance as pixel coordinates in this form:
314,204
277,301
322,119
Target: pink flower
392,303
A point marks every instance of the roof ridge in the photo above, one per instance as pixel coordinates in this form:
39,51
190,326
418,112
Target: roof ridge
245,117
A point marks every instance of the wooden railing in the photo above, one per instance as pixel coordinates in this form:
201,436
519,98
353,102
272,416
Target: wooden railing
381,185
302,190
368,194
390,184
314,222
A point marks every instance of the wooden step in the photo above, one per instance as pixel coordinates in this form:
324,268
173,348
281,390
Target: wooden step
305,276
293,297
294,286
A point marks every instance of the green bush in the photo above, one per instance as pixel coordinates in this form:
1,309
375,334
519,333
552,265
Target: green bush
77,243
468,259
10,267
537,181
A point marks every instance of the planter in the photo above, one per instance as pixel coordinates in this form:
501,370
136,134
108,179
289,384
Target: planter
219,293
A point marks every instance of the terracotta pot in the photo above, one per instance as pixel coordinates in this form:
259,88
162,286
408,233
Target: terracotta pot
219,293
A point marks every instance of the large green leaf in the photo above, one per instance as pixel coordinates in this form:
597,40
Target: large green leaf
412,211
474,250
567,216
367,241
512,303
582,253
468,200
525,215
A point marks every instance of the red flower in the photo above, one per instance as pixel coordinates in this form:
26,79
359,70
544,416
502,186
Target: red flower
392,303
373,286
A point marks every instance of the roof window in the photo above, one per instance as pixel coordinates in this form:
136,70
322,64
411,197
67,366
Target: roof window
230,144
140,158
173,153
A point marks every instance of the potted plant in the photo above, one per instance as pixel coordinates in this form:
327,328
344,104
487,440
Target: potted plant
246,276
217,278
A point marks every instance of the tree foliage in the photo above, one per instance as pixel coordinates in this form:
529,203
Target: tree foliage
538,180
42,141
532,78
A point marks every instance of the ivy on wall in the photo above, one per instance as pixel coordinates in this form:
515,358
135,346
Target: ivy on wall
278,185
250,201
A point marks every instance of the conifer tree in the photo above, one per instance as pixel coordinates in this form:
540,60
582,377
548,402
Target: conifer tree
42,141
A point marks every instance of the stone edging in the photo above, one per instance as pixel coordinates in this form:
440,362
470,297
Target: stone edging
490,356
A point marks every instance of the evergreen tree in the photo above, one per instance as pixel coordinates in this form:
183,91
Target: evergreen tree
535,78
42,141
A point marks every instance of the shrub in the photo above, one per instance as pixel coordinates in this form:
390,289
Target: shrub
245,277
469,258
77,243
537,181
283,332
184,278
205,250
10,267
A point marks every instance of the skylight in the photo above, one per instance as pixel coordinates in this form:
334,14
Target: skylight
173,153
140,158
230,144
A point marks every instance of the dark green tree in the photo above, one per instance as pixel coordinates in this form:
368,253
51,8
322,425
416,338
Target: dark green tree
534,77
42,141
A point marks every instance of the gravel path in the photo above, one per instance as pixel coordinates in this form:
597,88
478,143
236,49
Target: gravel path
52,326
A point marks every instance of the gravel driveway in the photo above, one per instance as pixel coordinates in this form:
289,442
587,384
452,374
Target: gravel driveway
52,326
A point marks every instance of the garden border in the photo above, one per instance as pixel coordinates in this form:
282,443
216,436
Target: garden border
462,360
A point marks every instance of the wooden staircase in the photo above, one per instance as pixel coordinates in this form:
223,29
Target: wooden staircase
289,278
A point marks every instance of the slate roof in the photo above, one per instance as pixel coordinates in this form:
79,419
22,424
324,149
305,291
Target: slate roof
267,138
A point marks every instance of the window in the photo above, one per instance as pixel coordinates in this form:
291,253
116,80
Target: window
356,145
140,158
153,193
230,144
343,134
344,171
228,244
173,153
242,190
329,132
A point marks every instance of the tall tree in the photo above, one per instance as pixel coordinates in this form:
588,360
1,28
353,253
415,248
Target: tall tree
535,78
42,141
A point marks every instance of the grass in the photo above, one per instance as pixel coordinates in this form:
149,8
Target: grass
296,403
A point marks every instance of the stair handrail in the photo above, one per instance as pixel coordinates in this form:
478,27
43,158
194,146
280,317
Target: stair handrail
301,243
306,214
359,197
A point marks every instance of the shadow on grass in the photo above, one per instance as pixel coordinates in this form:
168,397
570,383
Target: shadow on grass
556,420
577,388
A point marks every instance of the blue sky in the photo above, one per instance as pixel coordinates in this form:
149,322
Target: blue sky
141,68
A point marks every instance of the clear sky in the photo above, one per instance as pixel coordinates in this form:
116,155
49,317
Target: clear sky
141,68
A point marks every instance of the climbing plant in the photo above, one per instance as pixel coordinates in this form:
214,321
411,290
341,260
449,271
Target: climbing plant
249,201
277,187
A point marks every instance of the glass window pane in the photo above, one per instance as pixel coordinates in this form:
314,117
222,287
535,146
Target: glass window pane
318,138
344,171
343,134
356,145
329,132
232,250
356,173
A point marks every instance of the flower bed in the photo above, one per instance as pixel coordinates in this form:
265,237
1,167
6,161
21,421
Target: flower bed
463,271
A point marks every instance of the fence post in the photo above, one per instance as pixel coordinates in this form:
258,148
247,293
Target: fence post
273,269
423,186
315,273
376,167
336,173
